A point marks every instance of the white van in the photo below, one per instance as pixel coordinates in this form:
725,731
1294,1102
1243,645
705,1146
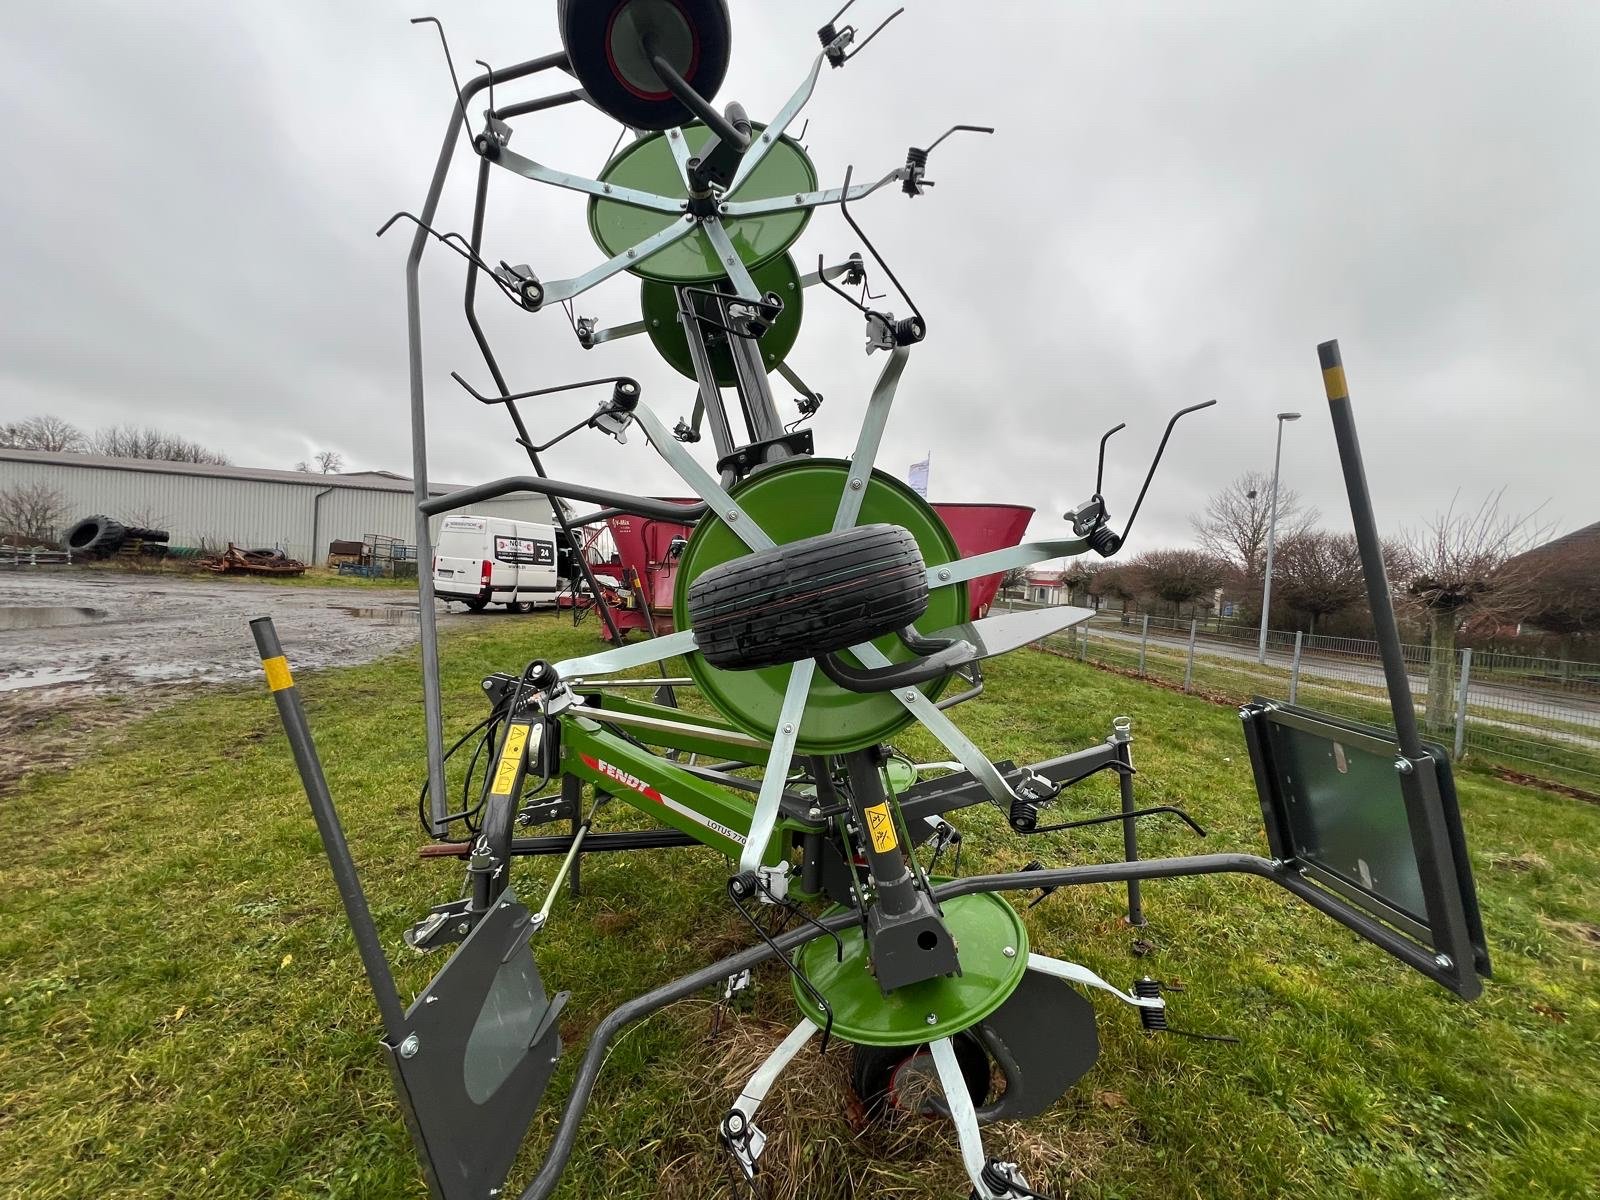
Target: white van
495,560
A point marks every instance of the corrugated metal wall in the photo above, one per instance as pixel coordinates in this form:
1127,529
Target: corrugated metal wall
205,510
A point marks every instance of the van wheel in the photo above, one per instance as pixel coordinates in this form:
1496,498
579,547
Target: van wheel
475,604
520,606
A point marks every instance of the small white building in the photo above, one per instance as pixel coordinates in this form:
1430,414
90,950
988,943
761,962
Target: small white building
205,505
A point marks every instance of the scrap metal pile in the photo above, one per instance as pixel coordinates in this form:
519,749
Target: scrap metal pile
822,609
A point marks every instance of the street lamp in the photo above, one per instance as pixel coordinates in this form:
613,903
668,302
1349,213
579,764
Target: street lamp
1272,528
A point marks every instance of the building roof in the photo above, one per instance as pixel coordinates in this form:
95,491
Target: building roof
1579,541
371,481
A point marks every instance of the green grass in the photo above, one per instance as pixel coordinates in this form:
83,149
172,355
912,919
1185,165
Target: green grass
182,1011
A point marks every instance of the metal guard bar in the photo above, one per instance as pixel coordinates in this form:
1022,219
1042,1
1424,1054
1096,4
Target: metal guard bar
642,506
1281,873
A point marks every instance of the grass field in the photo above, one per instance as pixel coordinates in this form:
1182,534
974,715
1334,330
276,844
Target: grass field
182,1012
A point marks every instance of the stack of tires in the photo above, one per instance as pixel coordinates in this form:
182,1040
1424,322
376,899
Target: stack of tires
101,537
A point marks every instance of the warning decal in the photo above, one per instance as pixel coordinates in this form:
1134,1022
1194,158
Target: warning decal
505,774
881,826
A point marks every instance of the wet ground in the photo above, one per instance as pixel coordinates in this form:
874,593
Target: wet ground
71,639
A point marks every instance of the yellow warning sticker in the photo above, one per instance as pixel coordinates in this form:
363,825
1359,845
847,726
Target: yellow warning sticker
505,774
277,669
881,826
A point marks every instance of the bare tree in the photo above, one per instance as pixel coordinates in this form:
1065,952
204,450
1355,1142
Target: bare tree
329,462
1456,565
303,467
1234,524
1180,576
1079,578
1122,582
42,433
130,441
1319,573
31,513
1014,578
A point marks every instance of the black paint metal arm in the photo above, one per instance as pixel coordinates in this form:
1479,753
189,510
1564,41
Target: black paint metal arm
644,506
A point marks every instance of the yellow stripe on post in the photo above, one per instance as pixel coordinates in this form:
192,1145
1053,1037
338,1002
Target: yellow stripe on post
1333,381
277,670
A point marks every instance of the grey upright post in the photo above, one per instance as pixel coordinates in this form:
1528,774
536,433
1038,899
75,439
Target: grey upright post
1122,737
1294,669
293,716
1188,669
432,706
1461,702
1144,641
1371,547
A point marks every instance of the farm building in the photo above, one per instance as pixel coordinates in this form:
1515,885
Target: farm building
204,505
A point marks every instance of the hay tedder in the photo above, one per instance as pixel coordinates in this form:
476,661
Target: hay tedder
821,608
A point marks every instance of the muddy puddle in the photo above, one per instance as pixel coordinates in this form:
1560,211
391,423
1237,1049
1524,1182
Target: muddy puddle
46,616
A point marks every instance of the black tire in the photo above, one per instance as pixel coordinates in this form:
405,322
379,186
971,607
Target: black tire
142,534
873,1070
809,597
698,40
96,537
519,606
476,604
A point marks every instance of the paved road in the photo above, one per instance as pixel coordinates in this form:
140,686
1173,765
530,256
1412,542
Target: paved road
1515,702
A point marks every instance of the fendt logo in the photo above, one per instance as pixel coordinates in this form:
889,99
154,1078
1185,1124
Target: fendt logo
632,781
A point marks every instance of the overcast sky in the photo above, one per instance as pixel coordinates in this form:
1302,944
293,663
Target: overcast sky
1182,200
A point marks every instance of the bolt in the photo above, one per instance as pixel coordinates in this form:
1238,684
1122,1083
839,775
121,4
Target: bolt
1403,765
814,813
1444,961
912,695
673,134
463,929
788,728
1009,952
933,1018
945,574
689,217
606,188
766,137
655,324
722,208
734,515
409,1047
630,253
855,485
797,198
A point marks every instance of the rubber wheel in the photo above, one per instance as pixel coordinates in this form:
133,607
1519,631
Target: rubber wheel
519,606
476,604
98,536
809,597
874,1071
142,534
695,36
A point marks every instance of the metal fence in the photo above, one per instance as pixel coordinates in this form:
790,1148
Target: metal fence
1538,715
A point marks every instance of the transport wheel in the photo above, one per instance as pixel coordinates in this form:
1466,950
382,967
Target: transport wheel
476,604
520,606
808,597
604,41
99,536
898,1080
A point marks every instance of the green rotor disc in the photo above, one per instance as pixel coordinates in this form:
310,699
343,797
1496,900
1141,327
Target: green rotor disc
983,925
648,165
660,304
793,500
